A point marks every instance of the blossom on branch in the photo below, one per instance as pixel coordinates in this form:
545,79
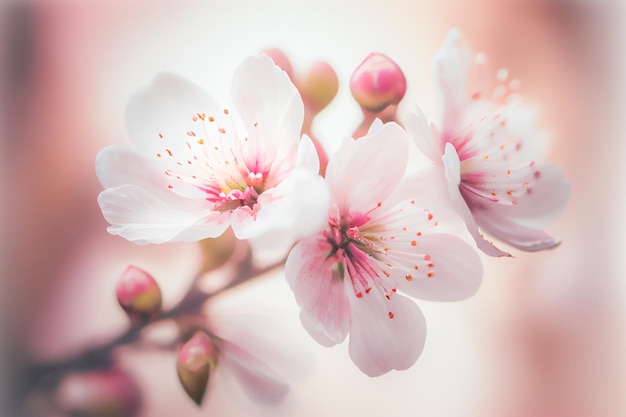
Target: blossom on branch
490,148
251,369
198,168
350,278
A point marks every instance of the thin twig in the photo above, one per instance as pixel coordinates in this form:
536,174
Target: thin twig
101,355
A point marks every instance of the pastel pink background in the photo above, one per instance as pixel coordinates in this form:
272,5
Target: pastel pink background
544,337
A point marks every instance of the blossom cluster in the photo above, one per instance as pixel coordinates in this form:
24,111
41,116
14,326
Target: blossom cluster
359,237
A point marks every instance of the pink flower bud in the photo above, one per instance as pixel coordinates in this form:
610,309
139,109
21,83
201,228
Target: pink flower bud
318,86
280,59
138,294
377,83
105,393
196,360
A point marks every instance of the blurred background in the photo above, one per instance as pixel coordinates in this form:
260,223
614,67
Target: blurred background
544,337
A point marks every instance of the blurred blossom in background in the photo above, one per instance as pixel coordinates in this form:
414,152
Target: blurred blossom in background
544,336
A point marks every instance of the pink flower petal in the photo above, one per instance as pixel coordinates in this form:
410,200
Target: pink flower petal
144,217
385,334
451,270
257,333
427,140
545,200
428,187
160,115
451,66
307,155
365,171
253,375
121,165
318,286
269,105
520,225
295,209
453,175
523,121
515,234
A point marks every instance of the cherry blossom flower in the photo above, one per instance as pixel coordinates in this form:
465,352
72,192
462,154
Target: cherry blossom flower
251,370
490,147
350,277
198,168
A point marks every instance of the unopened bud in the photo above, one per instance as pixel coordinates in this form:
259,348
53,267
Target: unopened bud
106,393
138,294
196,360
280,59
377,83
318,86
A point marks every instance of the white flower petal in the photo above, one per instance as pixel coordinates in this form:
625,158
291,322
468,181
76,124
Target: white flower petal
142,217
428,187
544,202
385,334
523,121
307,155
271,247
121,165
515,234
451,66
319,290
295,209
254,376
256,332
366,171
375,127
423,135
160,115
452,272
269,105
453,175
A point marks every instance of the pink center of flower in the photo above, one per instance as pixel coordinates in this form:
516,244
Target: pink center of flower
354,246
227,168
492,166
491,162
369,247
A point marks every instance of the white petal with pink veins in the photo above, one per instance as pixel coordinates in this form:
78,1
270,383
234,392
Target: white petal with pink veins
349,172
298,209
159,116
445,269
142,216
513,233
317,283
544,202
429,188
385,334
269,105
197,164
523,121
297,206
451,66
121,165
453,175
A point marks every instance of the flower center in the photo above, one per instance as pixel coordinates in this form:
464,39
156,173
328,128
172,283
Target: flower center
218,162
236,195
344,232
359,251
